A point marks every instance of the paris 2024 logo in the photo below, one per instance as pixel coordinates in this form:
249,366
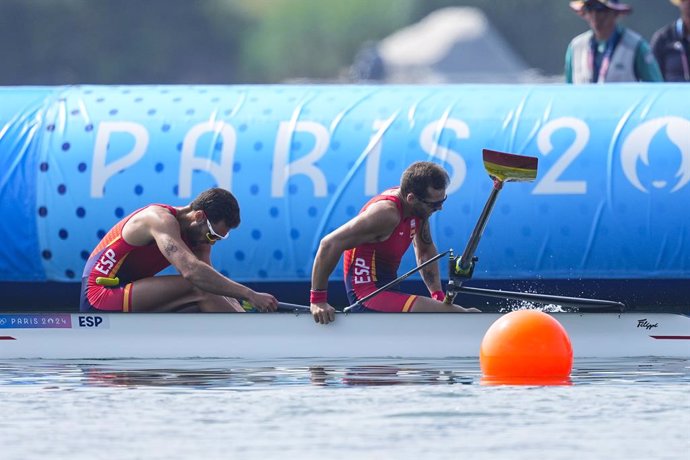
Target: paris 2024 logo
638,145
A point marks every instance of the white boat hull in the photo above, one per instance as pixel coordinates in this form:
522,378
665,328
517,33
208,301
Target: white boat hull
291,335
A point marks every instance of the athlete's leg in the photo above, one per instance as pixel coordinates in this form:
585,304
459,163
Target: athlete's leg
398,302
427,304
216,303
391,302
174,293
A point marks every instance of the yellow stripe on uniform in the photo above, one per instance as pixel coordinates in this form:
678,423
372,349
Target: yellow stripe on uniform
126,306
373,267
409,303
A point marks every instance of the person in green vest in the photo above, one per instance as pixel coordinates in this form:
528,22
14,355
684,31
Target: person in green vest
608,52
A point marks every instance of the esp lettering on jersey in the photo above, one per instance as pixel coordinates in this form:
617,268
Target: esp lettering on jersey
106,263
362,271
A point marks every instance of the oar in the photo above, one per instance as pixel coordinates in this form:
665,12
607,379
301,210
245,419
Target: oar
292,307
577,302
507,167
502,167
395,281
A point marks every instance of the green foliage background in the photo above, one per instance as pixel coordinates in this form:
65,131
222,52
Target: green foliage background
321,36
258,41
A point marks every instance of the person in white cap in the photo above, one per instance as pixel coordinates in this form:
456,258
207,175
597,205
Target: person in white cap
608,52
671,45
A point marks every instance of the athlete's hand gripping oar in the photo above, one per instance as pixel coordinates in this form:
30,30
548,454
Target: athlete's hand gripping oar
502,167
395,281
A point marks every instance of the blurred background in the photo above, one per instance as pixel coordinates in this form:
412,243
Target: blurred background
55,42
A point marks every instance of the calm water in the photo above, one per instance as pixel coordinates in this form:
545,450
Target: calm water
160,409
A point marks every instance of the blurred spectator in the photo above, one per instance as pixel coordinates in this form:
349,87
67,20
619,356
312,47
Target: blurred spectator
608,52
368,64
671,45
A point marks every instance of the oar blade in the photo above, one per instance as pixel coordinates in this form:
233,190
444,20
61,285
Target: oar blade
509,167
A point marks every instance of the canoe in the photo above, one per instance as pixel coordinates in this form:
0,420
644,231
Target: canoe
295,335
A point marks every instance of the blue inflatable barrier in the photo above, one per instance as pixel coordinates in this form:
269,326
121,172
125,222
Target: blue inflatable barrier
610,200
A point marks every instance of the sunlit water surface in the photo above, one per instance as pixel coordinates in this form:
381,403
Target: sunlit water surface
208,409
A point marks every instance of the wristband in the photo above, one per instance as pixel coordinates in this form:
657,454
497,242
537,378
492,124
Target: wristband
318,296
438,295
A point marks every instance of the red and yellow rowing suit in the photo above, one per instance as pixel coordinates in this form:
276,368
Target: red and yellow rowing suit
372,265
116,258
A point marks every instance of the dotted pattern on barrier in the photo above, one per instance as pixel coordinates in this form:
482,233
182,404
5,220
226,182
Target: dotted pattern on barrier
278,237
72,222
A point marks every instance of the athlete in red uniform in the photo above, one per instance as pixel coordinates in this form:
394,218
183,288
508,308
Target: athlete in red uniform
374,242
120,273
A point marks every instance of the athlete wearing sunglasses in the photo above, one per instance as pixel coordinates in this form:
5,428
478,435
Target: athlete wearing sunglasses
212,236
120,273
375,241
435,205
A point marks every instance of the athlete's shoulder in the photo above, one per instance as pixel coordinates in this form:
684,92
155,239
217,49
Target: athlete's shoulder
161,217
158,211
385,213
148,220
390,197
385,203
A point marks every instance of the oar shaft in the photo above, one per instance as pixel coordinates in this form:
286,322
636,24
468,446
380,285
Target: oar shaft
545,298
473,242
283,306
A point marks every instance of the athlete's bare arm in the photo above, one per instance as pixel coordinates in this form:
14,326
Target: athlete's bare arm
375,224
203,253
160,225
425,249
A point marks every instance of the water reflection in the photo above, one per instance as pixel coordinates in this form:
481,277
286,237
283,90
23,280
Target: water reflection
239,374
386,376
272,376
94,376
149,373
526,381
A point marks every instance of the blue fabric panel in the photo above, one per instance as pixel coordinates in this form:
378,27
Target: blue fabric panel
20,125
609,201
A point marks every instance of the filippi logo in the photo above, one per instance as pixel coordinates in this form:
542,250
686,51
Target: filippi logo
637,145
646,324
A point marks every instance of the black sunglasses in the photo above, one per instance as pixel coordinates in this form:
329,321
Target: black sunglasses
434,204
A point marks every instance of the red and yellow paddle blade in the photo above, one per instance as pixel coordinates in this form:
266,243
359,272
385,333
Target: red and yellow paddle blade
508,167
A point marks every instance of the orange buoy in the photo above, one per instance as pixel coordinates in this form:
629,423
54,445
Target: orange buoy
526,347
